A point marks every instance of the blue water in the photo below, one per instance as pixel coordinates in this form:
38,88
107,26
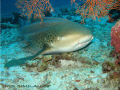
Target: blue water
8,6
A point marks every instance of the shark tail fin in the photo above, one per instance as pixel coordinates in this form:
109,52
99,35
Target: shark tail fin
21,61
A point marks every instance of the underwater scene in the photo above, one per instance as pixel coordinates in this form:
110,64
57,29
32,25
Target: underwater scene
60,45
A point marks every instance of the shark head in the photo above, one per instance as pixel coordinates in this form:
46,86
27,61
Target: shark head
71,37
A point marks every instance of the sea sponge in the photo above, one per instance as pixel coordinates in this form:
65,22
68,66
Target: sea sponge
115,37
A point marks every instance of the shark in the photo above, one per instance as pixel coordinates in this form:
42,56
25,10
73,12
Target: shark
53,35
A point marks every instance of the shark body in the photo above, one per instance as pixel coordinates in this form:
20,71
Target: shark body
54,35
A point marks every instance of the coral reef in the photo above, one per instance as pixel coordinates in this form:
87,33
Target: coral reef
115,37
112,80
111,65
40,62
6,19
115,42
75,70
65,11
96,8
9,38
8,25
58,60
13,21
114,13
36,7
42,66
90,68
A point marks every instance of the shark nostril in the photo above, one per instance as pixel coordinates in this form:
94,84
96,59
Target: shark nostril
92,37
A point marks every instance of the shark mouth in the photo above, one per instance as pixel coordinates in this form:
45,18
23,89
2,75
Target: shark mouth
82,44
86,42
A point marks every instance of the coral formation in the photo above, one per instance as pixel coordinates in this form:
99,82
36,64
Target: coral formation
42,66
109,65
96,8
112,80
8,25
40,62
77,70
32,63
36,7
115,37
114,13
58,60
64,11
14,21
115,42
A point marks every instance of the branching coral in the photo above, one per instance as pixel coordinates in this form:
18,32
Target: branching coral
95,8
35,7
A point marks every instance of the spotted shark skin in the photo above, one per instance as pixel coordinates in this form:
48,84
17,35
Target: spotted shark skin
53,35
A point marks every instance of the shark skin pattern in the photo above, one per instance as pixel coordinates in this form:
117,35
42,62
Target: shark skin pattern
53,35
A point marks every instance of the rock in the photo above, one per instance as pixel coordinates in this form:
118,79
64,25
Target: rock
8,25
47,58
32,63
69,17
108,65
42,66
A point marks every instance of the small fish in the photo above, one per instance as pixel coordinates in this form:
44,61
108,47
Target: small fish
53,35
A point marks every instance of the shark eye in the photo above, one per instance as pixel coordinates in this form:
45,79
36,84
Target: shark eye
60,38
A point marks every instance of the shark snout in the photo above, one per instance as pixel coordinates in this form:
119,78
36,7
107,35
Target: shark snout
86,39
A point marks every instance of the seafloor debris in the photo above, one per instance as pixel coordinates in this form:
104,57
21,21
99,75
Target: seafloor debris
108,65
45,83
111,66
42,66
58,60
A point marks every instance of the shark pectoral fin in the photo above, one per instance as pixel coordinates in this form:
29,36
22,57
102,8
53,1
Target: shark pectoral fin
21,61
